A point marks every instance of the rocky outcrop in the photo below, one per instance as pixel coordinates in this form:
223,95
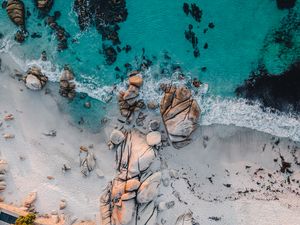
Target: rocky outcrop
61,34
128,100
34,79
66,84
180,114
16,12
129,198
83,11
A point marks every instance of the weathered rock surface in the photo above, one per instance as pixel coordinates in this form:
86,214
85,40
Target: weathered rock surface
153,138
128,100
185,219
118,202
16,12
87,162
116,137
180,114
35,79
30,199
66,84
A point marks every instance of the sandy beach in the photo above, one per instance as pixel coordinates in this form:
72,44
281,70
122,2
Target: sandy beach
228,175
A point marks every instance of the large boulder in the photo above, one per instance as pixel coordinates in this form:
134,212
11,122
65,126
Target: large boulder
34,79
180,114
148,190
16,12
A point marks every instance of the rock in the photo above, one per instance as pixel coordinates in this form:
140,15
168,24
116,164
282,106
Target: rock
100,173
16,12
87,105
8,136
20,36
185,219
154,125
136,80
132,185
44,5
3,166
8,117
180,114
147,214
132,92
87,163
62,204
173,174
50,177
66,84
2,185
117,137
148,190
152,104
81,7
35,79
66,167
153,138
28,201
125,213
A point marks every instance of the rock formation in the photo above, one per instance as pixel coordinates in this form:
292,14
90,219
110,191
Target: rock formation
3,170
185,219
81,7
87,162
44,5
16,12
129,198
66,83
128,100
180,114
35,79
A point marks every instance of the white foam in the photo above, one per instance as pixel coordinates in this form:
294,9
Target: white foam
215,110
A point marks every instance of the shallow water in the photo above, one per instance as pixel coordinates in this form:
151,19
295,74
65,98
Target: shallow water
238,41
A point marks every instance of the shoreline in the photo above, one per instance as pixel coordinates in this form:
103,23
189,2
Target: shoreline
32,157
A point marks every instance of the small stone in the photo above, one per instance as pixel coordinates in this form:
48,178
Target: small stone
153,138
87,105
9,117
152,104
50,177
83,148
136,80
117,137
154,125
8,136
100,173
173,174
62,204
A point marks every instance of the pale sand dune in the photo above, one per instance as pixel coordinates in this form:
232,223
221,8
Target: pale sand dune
228,150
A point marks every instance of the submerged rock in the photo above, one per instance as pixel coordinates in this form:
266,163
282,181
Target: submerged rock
285,4
35,79
81,7
180,114
44,5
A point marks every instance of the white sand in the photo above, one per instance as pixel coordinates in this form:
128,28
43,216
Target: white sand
228,148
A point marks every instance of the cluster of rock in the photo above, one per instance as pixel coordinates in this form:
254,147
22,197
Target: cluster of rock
16,12
61,34
190,35
3,170
128,100
130,197
44,5
66,84
27,204
35,79
180,114
106,15
194,10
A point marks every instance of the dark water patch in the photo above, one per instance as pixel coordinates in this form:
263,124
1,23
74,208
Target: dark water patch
280,92
285,4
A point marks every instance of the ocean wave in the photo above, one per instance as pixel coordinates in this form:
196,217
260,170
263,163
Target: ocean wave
215,109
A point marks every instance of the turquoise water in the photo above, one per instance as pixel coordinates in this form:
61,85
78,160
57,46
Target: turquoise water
235,45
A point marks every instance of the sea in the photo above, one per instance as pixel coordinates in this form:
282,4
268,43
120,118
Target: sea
240,39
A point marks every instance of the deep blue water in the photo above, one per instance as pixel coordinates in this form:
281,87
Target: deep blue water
238,41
